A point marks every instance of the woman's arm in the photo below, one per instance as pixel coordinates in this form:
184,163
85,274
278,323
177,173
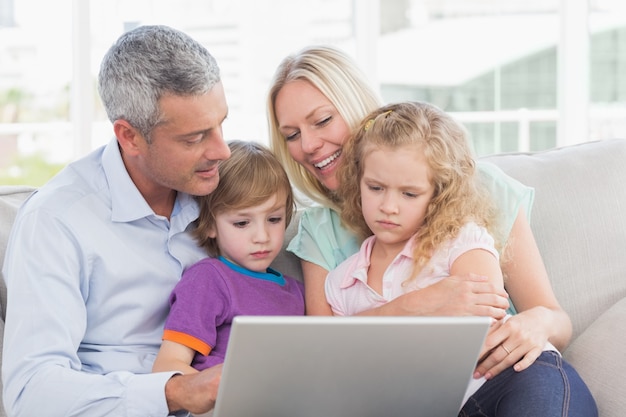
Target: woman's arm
467,295
540,318
314,294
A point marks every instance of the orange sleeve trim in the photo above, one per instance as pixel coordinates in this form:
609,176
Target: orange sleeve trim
187,340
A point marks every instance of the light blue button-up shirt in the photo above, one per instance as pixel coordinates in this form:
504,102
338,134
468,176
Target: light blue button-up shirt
89,268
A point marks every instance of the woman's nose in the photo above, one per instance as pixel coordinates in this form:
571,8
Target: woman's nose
310,142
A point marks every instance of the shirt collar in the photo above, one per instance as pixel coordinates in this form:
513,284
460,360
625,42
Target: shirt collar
127,203
363,259
269,275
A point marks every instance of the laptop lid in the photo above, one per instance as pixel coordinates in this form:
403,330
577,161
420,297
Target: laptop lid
284,366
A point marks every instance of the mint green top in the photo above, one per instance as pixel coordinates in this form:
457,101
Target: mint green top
322,240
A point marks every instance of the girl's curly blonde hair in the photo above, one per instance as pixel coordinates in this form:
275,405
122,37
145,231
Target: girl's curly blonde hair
458,197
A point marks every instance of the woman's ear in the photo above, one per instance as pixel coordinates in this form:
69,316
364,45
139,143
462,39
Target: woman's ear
130,139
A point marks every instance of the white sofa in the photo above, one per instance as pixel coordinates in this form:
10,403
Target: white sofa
579,221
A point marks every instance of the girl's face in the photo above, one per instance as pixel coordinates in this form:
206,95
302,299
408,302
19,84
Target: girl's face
395,193
313,129
252,237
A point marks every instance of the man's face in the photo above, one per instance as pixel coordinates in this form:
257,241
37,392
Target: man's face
187,145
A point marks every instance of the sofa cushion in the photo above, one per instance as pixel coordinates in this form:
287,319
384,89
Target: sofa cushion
598,355
579,221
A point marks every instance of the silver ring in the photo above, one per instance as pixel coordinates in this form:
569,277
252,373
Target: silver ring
505,349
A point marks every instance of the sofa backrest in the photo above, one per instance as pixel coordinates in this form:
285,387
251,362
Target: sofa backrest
579,221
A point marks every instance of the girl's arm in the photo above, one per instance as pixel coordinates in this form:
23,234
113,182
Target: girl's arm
173,356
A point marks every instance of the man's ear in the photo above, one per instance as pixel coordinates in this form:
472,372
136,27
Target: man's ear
129,138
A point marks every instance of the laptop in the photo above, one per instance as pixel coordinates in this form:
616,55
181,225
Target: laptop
305,366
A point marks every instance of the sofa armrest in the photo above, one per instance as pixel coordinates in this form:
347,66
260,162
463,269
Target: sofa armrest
598,355
11,198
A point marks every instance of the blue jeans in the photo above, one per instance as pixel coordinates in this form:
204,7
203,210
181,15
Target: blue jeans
550,387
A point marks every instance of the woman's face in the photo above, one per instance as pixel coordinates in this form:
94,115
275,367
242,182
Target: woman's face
313,129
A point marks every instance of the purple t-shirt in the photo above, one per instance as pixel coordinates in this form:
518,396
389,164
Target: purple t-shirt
212,292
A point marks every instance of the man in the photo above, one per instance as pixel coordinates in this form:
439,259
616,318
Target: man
95,252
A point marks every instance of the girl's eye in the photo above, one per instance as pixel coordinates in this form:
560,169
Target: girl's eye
374,187
410,195
275,220
241,224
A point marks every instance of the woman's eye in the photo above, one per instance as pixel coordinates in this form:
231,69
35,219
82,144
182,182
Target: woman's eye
291,136
324,121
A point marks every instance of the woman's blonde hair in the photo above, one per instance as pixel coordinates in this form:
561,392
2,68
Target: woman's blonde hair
458,196
248,178
338,78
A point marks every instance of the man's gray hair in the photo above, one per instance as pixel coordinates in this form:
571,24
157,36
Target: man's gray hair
147,63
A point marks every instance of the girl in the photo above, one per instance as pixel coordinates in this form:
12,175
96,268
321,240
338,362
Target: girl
410,190
242,226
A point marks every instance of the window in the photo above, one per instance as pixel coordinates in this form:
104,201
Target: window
519,74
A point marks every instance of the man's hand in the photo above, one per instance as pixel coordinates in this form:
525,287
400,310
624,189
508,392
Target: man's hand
195,392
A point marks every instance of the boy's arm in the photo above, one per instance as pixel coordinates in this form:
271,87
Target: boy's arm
174,356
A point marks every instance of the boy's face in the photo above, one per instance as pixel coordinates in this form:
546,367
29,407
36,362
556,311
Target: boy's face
252,237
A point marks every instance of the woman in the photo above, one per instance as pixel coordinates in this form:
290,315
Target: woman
317,98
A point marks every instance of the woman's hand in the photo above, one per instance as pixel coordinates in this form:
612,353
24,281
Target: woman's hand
517,341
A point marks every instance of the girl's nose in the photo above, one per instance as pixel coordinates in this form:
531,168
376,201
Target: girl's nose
389,204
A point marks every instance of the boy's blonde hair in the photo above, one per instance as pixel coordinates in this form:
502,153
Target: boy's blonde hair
338,78
458,197
248,178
